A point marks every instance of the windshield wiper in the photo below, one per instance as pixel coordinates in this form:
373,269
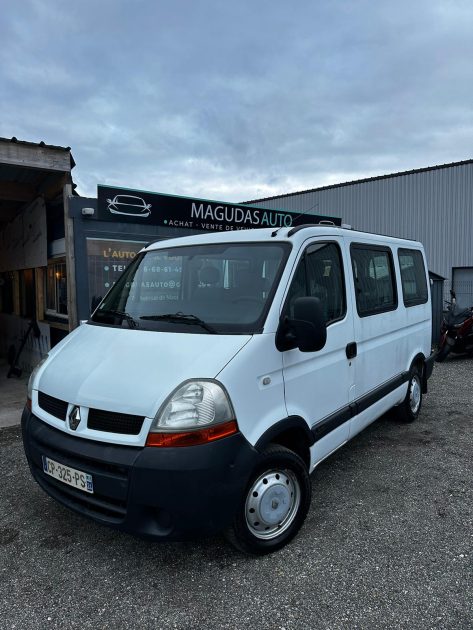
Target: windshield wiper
181,317
132,323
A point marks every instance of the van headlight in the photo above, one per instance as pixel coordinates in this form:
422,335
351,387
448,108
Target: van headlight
197,411
33,376
194,404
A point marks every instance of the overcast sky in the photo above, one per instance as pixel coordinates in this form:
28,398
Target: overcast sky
239,100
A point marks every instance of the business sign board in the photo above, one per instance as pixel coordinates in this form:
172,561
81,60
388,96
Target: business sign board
147,208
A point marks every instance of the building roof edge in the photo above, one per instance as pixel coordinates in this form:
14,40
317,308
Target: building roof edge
364,180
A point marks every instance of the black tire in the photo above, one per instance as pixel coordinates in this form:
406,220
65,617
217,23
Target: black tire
409,409
275,503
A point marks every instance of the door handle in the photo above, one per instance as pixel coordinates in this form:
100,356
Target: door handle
351,350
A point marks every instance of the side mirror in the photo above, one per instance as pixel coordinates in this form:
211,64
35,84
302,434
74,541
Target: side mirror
306,331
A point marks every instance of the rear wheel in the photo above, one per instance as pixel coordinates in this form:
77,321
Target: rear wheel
275,503
409,409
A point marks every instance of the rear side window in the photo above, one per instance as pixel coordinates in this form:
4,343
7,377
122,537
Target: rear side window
373,274
320,275
413,278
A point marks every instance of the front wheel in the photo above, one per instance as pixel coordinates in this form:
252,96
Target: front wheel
409,409
275,504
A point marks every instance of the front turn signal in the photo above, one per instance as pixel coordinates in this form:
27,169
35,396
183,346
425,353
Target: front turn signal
192,438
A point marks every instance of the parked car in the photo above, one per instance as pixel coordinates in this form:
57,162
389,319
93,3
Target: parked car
129,205
220,370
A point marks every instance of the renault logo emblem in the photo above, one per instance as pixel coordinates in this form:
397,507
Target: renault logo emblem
74,418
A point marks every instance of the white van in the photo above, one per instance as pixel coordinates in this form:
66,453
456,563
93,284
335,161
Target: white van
219,371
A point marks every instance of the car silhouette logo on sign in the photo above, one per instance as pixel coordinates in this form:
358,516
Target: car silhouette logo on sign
129,206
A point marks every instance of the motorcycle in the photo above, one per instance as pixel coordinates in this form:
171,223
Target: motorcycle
456,331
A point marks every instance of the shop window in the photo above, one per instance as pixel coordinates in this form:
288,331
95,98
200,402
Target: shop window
6,292
56,289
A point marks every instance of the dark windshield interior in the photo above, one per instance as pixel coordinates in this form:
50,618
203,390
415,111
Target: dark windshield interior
221,288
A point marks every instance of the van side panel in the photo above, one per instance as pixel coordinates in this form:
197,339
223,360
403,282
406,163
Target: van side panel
254,381
387,342
317,385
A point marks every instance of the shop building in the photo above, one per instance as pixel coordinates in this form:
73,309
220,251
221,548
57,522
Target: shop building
35,185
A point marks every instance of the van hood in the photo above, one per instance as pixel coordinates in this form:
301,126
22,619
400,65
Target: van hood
119,369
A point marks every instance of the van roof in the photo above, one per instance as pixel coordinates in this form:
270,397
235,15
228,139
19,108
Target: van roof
296,235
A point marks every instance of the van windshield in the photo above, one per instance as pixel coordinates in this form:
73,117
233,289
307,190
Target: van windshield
208,289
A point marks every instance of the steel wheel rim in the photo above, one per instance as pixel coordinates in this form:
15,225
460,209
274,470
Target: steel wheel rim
272,503
415,394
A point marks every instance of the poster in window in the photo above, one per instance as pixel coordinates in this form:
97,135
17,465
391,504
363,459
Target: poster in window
106,261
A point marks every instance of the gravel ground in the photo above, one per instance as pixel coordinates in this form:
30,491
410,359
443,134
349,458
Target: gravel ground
387,543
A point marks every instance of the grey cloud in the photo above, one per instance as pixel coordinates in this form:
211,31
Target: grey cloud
238,100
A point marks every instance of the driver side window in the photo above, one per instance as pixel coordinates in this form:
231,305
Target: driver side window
320,274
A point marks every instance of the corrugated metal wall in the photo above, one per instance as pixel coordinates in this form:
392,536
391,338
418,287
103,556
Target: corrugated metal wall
433,206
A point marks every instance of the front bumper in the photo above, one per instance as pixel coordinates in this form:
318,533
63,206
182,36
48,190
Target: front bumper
161,493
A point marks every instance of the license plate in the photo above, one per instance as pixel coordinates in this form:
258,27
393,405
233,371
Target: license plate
66,474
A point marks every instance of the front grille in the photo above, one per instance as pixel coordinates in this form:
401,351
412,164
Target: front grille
54,406
114,422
